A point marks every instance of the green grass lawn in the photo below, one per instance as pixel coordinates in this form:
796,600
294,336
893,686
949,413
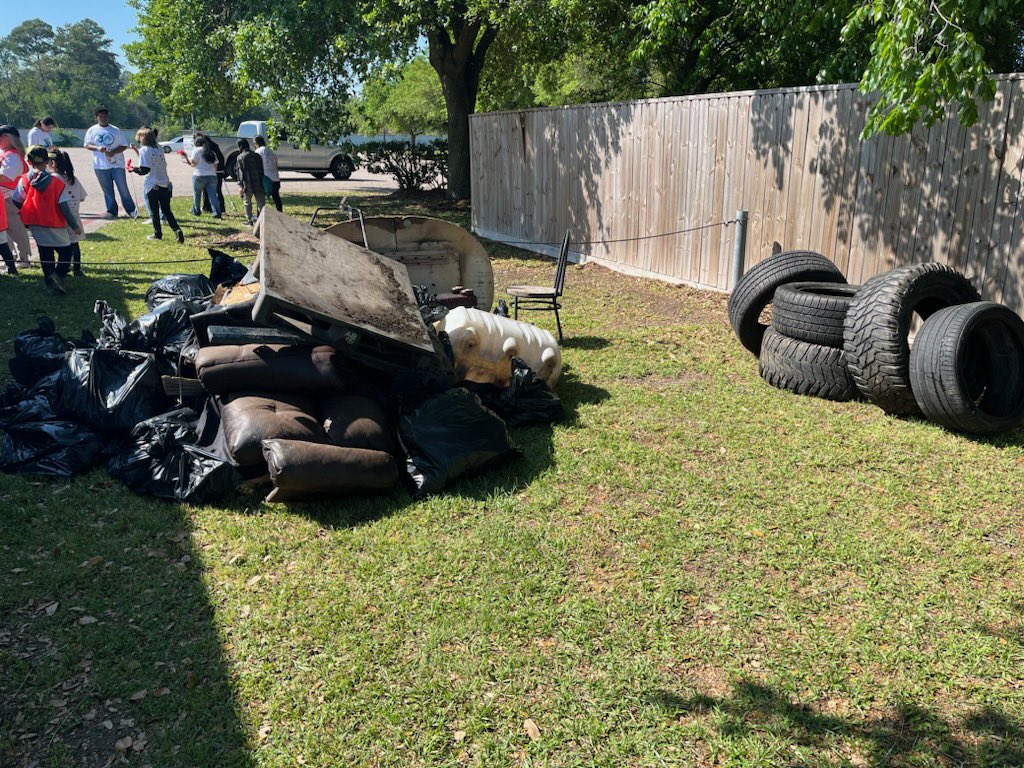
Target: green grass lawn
693,569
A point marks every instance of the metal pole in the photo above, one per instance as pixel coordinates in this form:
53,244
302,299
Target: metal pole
739,253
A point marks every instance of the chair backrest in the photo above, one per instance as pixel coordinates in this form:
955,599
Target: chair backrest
563,262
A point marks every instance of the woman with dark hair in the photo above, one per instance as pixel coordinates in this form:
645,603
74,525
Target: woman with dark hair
60,164
39,134
204,176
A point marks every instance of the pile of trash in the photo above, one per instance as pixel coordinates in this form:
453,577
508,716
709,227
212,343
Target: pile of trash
347,383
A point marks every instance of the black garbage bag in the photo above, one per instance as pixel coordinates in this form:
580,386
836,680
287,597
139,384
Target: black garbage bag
111,390
112,326
164,461
54,448
163,331
26,409
526,400
37,352
196,288
450,435
430,309
225,269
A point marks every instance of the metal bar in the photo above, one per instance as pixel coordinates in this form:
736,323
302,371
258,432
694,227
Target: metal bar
739,253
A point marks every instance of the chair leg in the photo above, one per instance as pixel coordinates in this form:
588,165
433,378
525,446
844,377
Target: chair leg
558,322
515,308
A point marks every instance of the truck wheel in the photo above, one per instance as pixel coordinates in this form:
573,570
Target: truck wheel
318,174
805,368
967,368
341,168
229,163
877,328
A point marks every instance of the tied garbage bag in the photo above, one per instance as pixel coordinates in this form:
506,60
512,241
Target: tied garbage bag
37,352
109,389
196,288
224,268
165,331
526,400
450,435
54,448
164,461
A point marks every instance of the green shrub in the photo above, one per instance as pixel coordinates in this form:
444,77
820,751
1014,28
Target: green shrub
65,138
413,166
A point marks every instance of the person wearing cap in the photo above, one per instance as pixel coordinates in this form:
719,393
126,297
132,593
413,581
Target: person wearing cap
40,134
107,146
45,204
12,165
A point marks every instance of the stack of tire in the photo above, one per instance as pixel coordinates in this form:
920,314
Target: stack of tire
829,339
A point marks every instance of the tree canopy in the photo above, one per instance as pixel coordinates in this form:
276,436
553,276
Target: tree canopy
64,72
409,101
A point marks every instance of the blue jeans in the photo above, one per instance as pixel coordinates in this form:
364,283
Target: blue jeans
107,178
208,183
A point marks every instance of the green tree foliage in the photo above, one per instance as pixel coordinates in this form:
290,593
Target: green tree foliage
410,102
929,54
64,72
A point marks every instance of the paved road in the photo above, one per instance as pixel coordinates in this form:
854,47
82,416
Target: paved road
181,176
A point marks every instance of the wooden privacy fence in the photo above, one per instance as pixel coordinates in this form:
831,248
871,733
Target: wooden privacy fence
631,172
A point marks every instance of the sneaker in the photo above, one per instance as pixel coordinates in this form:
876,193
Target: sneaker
109,215
12,271
179,236
154,237
77,272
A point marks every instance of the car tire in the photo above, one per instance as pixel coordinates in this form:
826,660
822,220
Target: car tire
756,289
877,329
967,368
805,368
812,312
341,168
167,150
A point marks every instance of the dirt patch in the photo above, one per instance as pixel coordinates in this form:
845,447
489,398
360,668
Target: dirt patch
240,241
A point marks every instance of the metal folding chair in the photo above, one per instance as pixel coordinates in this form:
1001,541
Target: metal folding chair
535,298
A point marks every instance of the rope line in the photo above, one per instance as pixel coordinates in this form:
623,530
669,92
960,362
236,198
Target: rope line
623,239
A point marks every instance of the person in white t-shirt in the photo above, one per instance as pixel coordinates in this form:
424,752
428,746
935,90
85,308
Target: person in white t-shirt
156,185
107,146
204,176
12,166
40,134
271,177
61,165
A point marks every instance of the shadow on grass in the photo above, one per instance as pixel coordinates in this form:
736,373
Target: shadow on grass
908,735
107,634
585,342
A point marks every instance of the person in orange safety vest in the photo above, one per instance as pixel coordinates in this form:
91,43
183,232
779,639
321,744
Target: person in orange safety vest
45,204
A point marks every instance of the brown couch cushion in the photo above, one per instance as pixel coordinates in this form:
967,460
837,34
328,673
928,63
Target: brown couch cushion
357,422
301,470
271,367
249,418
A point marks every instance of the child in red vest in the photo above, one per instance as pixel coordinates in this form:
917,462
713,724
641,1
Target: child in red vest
5,248
45,204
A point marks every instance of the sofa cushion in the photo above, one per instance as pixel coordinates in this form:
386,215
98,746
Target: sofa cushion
250,418
302,470
271,367
357,422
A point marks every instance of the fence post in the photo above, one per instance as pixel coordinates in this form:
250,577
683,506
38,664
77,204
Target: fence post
740,248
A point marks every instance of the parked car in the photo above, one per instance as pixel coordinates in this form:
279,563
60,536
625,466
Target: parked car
178,142
318,160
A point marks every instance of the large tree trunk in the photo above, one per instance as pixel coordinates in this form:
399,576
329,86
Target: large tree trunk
459,63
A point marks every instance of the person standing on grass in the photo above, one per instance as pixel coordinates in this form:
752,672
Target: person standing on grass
5,248
204,176
107,146
45,205
222,171
249,172
60,164
156,185
40,133
271,178
12,165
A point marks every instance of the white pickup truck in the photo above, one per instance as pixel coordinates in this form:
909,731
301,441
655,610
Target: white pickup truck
318,160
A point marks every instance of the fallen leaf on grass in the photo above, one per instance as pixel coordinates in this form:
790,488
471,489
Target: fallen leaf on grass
123,745
51,609
263,732
161,692
459,736
531,729
87,620
254,580
108,724
138,695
